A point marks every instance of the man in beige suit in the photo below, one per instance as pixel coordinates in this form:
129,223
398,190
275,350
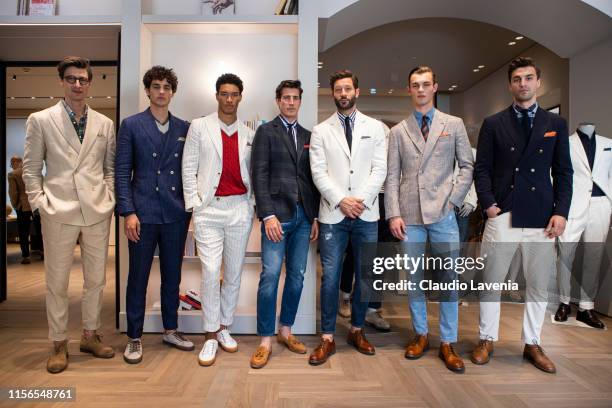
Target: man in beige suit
76,200
420,198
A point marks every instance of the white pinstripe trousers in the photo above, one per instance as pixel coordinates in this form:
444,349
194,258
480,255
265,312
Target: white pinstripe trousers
222,232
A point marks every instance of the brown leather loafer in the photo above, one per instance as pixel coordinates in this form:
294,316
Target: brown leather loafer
260,358
323,351
482,352
535,355
417,347
292,343
358,340
451,359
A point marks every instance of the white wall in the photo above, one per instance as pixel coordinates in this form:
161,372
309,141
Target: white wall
72,7
591,87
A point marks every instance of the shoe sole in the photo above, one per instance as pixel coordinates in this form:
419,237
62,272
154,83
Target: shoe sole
95,355
59,371
533,363
136,361
425,350
590,325
228,349
207,363
168,343
380,329
483,362
316,363
367,353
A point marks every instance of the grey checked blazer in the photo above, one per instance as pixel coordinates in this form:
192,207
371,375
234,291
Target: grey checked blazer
419,182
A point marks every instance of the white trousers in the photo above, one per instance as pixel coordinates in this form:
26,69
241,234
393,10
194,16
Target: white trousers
222,232
499,243
593,227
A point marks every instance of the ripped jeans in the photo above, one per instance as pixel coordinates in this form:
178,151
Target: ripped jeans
294,249
333,239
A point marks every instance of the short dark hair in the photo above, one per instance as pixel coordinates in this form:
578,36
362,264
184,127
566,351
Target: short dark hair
229,79
343,73
160,73
288,83
522,62
423,69
77,62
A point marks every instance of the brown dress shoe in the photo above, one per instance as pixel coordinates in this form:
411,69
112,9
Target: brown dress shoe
58,361
94,345
260,357
358,340
536,356
292,343
451,359
482,352
418,346
323,351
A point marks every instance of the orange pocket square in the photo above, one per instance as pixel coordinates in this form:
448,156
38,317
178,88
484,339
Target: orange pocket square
550,134
444,134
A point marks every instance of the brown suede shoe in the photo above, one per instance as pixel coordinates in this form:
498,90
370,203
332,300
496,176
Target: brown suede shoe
358,340
260,358
94,345
451,359
58,360
323,351
292,343
482,352
418,346
536,356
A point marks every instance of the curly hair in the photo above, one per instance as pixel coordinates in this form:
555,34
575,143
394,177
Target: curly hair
160,73
229,79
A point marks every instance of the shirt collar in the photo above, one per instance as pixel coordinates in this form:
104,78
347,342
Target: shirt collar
429,115
71,113
351,117
584,136
286,121
531,110
228,129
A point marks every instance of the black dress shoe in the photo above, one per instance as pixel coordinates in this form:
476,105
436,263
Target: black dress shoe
589,317
562,312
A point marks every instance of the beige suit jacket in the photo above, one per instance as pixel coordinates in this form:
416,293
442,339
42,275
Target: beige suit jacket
78,187
419,183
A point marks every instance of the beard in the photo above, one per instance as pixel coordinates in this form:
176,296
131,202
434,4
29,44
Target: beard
349,105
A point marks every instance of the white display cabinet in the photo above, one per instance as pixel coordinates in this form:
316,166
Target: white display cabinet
262,49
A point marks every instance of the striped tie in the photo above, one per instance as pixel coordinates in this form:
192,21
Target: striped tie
424,127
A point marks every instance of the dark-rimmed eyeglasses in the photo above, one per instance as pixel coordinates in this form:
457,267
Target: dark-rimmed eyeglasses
72,80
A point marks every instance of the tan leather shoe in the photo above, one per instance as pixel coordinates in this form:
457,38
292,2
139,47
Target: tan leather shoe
358,340
94,345
292,343
482,352
58,360
534,354
417,347
451,359
260,357
344,307
322,352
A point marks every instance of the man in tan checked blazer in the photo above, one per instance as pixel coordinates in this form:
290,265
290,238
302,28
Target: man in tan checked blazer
76,200
420,198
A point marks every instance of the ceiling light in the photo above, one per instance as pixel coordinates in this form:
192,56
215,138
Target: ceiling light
512,43
520,37
476,70
373,91
451,89
12,97
51,97
390,91
108,97
91,97
14,77
481,66
454,86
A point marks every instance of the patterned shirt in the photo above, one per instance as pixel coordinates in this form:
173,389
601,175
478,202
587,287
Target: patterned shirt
81,124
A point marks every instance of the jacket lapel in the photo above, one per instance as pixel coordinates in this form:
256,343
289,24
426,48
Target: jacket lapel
413,131
598,150
152,132
576,145
301,140
64,126
437,126
357,128
510,122
537,131
338,132
91,135
281,132
242,140
213,130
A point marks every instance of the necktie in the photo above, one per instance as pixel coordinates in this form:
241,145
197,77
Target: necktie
348,131
290,133
424,127
525,124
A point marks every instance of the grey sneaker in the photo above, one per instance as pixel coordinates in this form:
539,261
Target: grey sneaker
375,320
133,351
176,339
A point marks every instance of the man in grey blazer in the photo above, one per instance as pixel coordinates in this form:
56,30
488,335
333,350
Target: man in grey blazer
420,198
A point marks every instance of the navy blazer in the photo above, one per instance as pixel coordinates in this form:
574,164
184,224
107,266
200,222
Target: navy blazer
518,177
148,178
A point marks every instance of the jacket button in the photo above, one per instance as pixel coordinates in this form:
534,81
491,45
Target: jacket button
541,151
511,186
351,171
532,188
218,198
171,171
517,169
533,170
512,149
215,187
173,188
156,188
158,172
175,154
349,189
154,154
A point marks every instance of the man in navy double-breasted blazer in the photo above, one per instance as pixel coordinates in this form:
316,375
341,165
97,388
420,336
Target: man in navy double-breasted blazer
150,198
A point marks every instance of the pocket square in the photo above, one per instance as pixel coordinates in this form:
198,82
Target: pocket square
307,146
181,139
444,134
607,149
366,137
550,134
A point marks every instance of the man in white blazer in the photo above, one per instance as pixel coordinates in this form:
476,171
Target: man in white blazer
75,199
589,218
217,188
349,164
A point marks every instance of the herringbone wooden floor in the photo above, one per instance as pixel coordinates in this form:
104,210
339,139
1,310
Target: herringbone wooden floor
168,377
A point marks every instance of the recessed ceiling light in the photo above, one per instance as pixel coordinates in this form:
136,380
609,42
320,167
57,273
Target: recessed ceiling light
476,70
32,97
481,66
12,97
51,97
454,86
373,91
451,89
108,97
520,37
512,43
91,97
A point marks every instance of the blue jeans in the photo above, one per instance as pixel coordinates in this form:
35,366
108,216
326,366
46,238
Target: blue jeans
294,247
444,238
333,239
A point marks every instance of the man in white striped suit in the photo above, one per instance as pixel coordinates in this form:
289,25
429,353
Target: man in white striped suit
217,188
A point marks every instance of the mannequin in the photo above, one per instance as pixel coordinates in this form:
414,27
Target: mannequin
589,219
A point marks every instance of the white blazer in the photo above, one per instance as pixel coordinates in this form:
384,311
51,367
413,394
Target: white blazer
584,178
203,160
339,172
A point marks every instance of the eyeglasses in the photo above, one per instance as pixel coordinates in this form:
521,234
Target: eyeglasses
72,80
226,95
288,98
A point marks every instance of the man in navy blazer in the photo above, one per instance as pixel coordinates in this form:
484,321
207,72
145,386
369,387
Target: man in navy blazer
523,178
150,197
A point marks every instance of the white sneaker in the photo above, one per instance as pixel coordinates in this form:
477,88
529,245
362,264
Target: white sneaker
176,339
133,351
208,354
226,341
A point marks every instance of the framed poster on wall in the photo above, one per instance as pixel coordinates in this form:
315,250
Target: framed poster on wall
42,7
